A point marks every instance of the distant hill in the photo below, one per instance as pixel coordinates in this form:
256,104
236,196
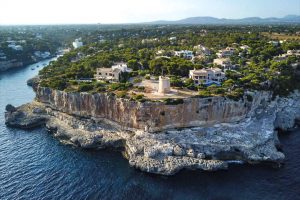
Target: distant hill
289,19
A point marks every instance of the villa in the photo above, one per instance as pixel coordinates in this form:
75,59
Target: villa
108,74
229,51
293,53
122,66
15,47
245,47
207,76
202,50
113,73
77,43
224,62
184,54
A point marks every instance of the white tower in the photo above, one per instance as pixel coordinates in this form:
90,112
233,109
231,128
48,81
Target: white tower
164,85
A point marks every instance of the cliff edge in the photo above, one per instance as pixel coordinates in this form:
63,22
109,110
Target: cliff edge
205,134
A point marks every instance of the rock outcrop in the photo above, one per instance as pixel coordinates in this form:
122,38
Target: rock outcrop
152,116
206,134
33,82
26,116
288,114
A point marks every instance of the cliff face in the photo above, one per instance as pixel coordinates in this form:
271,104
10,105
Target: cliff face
153,116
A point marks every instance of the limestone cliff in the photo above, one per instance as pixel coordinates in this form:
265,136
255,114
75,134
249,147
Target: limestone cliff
86,120
152,116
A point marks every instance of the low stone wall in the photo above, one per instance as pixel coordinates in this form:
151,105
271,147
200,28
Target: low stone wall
152,116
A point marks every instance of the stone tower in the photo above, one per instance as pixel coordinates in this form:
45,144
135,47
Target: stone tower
164,85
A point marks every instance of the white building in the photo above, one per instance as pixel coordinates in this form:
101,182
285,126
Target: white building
113,73
223,62
207,76
108,74
293,53
202,50
43,55
144,41
77,43
229,51
16,47
245,47
122,66
184,54
274,43
163,85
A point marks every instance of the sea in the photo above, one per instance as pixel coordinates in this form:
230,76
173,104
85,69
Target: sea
35,165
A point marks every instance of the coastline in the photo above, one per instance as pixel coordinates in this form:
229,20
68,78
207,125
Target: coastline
251,139
19,64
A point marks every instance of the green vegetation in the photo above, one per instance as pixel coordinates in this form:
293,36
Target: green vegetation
256,69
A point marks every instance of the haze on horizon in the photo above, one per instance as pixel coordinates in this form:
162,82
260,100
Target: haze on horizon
133,11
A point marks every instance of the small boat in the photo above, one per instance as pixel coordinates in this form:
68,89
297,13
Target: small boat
32,68
37,66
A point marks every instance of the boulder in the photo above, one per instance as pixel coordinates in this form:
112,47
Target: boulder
10,108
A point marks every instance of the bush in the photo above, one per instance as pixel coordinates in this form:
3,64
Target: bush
133,73
85,87
137,80
120,86
143,72
141,88
73,82
176,82
147,77
100,89
58,84
138,97
173,101
204,93
121,94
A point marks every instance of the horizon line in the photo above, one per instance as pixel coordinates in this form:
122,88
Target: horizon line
137,23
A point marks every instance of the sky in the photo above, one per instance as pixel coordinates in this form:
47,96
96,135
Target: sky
131,11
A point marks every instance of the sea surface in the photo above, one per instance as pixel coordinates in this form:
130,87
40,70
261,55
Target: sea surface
35,165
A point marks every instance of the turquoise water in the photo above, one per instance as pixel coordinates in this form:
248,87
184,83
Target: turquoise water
35,165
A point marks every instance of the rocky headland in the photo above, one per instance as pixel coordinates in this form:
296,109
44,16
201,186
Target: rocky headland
200,133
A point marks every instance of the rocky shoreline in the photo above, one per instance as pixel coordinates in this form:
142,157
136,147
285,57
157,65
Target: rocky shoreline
250,140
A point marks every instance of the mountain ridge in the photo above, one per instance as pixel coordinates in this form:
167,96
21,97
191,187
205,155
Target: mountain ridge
289,19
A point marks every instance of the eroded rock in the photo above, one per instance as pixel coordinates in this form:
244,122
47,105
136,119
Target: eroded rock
250,140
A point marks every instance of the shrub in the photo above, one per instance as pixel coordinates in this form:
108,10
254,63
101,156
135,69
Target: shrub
141,88
173,101
85,87
58,84
137,80
121,94
204,93
176,82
